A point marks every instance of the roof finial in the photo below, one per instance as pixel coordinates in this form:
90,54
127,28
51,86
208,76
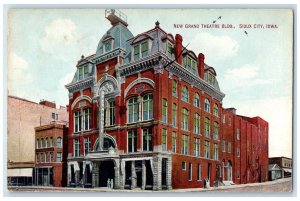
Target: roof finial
157,23
82,56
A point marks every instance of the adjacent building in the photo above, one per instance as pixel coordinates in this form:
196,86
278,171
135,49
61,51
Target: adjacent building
22,118
51,154
146,112
284,163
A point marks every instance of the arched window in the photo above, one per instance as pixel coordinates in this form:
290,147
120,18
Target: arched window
174,114
133,110
147,107
46,142
185,94
110,113
37,143
207,127
197,123
197,100
216,131
174,88
216,110
42,143
59,142
185,119
207,105
51,141
164,110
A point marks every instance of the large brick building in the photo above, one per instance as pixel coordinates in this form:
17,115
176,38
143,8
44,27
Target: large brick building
146,112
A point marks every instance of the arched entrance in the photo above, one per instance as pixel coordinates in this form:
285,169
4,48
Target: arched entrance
108,142
106,173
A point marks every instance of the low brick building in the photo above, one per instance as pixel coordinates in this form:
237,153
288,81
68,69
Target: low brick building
146,112
51,154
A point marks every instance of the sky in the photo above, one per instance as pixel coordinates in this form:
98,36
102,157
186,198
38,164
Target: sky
254,68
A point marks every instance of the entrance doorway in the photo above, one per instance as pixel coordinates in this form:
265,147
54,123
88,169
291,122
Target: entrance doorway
106,171
149,176
164,173
87,176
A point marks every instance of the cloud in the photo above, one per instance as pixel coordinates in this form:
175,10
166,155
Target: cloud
17,74
245,72
66,79
219,47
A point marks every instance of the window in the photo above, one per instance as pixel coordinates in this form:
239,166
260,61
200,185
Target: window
185,141
47,157
223,146
183,165
229,121
216,131
87,146
58,157
51,157
107,46
84,116
229,147
174,142
174,115
76,148
37,158
59,142
148,107
185,94
190,171
164,110
43,143
211,79
191,64
132,141
238,152
185,119
206,149
223,118
46,142
43,158
197,100
174,88
199,172
206,105
238,174
54,116
140,50
196,147
238,134
111,113
83,72
169,48
77,120
37,143
87,118
207,127
216,152
133,110
197,123
216,110
51,142
147,139
164,139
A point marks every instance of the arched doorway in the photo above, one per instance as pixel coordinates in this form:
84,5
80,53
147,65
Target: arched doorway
106,172
108,142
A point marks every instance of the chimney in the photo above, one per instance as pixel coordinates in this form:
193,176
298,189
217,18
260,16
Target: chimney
178,48
48,103
201,58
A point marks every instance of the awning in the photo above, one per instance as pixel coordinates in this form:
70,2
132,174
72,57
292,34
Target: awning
19,172
287,170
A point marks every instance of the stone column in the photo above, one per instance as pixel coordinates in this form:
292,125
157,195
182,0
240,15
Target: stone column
95,175
77,178
143,175
157,161
117,174
133,175
169,173
122,174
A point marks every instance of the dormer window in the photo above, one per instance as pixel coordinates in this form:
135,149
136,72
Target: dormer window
211,79
141,50
83,72
107,46
190,64
169,48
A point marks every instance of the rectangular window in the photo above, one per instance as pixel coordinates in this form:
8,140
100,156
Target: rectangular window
185,140
184,119
77,120
76,148
133,110
132,141
169,48
196,147
206,149
37,158
53,116
199,172
164,139
136,52
190,171
87,119
87,146
238,134
229,121
223,118
197,123
174,115
174,142
223,146
216,131
207,127
174,88
238,152
147,139
51,157
216,152
183,165
145,49
147,107
58,157
164,110
112,113
229,147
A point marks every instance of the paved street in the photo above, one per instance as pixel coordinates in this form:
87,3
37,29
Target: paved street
282,185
